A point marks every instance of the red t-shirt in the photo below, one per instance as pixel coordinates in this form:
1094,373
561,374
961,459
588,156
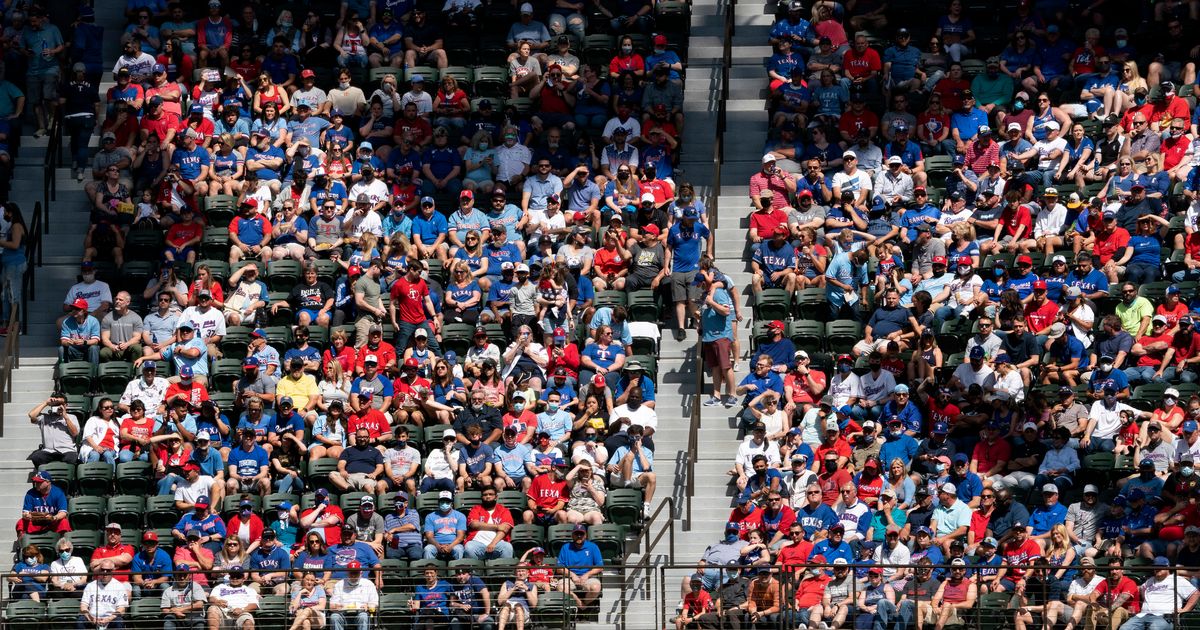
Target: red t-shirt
546,492
831,485
385,353
746,522
938,413
1085,60
406,394
106,551
1164,113
1107,245
986,455
850,123
1186,347
181,233
1173,150
409,298
951,92
1191,245
1173,314
1012,220
1016,555
860,65
499,514
568,360
143,430
1039,317
204,128
160,126
1108,593
765,222
194,393
1153,359
333,533
373,420
608,261
795,555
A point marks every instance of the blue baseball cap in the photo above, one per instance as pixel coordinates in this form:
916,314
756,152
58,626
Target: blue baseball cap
1190,426
690,212
159,68
977,352
196,108
258,332
941,428
250,362
185,371
427,201
845,410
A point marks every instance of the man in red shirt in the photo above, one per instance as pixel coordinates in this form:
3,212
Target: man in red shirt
326,516
764,220
411,301
159,122
747,515
780,183
1107,241
1018,550
189,389
409,393
384,352
862,66
368,417
1184,354
857,120
1117,597
1016,223
1167,107
547,496
831,478
793,555
991,454
488,526
1150,351
1040,313
183,237
113,550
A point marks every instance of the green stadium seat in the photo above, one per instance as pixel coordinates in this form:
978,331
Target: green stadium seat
161,512
127,510
134,477
75,378
87,513
63,474
94,479
772,304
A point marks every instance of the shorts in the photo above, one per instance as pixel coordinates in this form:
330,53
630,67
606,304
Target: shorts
311,313
42,87
229,621
359,481
682,287
633,482
634,283
247,486
717,353
180,254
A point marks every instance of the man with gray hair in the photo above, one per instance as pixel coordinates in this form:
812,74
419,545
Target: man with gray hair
104,601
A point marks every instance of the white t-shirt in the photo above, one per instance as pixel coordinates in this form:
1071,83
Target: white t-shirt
189,492
151,394
1045,148
207,324
96,428
1078,587
984,377
94,292
377,191
361,595
71,571
843,389
961,291
235,596
1108,422
748,449
877,388
103,600
1162,597
644,416
1083,313
853,183
1050,222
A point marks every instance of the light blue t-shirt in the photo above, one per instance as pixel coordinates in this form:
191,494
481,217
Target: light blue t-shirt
714,325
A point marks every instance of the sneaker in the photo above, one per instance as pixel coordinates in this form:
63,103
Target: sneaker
730,401
79,175
39,133
645,510
712,401
680,335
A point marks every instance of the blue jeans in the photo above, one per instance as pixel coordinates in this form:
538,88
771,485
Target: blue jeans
81,623
1186,275
884,612
429,484
80,128
479,550
906,613
1186,376
1147,622
1141,273
611,379
290,484
1144,374
164,484
90,353
1105,445
405,330
10,289
362,619
431,553
109,457
127,455
412,551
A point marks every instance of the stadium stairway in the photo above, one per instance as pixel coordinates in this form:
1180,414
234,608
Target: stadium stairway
62,249
743,139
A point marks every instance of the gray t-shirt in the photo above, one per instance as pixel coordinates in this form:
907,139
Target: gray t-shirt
524,299
369,287
367,528
56,438
1085,519
123,328
798,216
647,262
103,159
1072,418
923,256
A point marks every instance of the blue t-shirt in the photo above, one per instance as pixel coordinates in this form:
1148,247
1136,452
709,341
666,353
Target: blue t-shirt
714,325
277,559
190,162
248,464
498,255
774,259
968,123
152,566
429,228
445,527
580,560
904,60
603,356
685,246
1063,353
343,554
1146,250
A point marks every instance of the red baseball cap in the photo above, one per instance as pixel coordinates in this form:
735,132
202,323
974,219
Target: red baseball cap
1024,260
939,260
354,270
1039,285
775,324
660,40
354,565
578,217
652,229
410,362
306,73
80,303
598,381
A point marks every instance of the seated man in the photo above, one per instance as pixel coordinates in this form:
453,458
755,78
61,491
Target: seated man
353,598
104,601
359,466
232,604
445,530
582,560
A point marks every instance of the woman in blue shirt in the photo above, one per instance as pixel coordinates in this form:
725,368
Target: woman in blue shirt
463,298
603,356
1142,256
314,557
29,575
994,285
275,127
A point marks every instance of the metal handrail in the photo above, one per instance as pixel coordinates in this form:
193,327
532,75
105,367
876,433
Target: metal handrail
33,260
51,162
10,361
643,563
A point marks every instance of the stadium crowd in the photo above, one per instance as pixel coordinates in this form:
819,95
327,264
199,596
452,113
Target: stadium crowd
974,252
367,314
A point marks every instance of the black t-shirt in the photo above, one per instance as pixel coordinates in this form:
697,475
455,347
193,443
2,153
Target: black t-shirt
424,35
312,298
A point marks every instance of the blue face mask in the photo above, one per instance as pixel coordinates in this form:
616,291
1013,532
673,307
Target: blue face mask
519,407
941,468
1018,105
731,537
445,506
844,367
64,556
999,273
31,561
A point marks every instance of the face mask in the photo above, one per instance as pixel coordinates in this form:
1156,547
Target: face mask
483,145
285,24
897,432
1106,367
444,506
999,273
474,441
589,438
89,277
627,50
1110,400
1018,105
1169,401
552,407
622,176
518,407
246,513
1121,43
477,407
1187,471
830,466
844,367
941,468
1140,100
867,439
64,556
731,538
31,560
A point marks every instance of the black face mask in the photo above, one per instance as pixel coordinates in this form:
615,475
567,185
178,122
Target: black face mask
830,466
